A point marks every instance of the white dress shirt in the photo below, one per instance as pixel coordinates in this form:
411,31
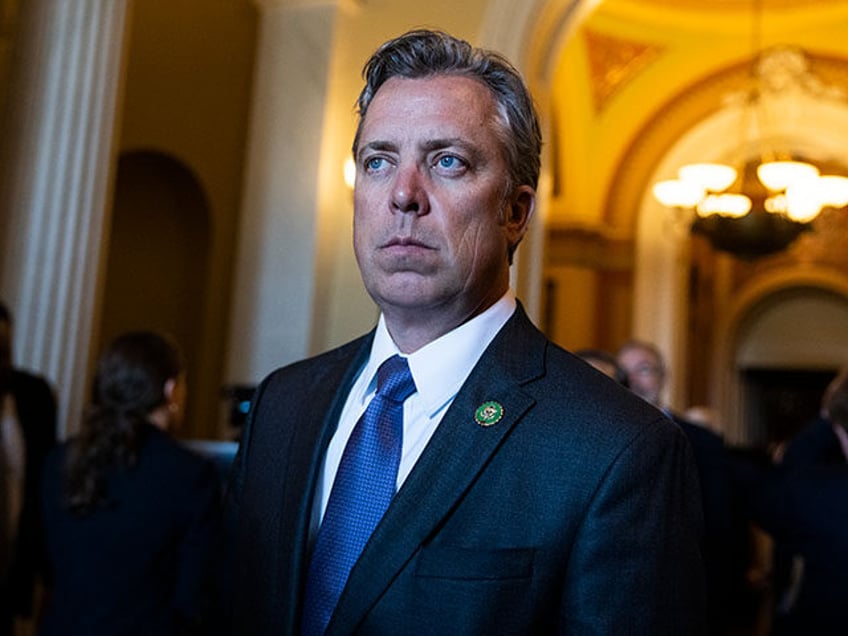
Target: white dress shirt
439,369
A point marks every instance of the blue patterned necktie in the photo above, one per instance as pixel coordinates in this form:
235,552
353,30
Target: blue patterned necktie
363,488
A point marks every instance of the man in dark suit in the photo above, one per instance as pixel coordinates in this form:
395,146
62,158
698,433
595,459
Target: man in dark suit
646,373
531,494
27,432
803,503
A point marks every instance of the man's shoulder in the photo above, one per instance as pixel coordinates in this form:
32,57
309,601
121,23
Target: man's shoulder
341,356
816,443
697,434
575,402
317,373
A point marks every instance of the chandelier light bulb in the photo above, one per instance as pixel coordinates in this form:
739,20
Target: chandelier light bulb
778,175
833,190
803,202
677,194
714,177
776,204
728,205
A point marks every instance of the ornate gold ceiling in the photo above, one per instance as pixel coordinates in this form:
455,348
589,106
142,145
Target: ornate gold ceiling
635,75
741,5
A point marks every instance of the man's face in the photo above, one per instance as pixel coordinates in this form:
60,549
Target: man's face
645,374
432,216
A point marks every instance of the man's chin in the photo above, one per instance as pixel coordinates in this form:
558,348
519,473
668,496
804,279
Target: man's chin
409,296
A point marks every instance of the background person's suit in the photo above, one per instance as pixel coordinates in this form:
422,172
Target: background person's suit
723,528
805,509
803,504
500,529
36,410
136,565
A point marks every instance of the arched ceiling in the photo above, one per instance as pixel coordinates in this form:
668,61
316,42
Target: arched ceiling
624,64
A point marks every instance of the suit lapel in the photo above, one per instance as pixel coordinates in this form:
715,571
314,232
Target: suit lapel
302,468
459,449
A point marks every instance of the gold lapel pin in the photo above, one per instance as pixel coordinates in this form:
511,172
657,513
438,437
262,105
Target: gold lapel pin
488,413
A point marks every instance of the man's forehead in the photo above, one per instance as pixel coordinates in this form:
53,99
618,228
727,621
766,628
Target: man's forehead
637,355
410,97
417,113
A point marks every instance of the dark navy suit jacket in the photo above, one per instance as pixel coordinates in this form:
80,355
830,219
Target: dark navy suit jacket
36,408
803,504
136,566
722,529
577,513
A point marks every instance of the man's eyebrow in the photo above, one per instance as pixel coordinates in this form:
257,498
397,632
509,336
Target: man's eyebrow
428,145
378,145
470,149
444,142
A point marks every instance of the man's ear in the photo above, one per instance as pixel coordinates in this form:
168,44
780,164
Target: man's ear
518,212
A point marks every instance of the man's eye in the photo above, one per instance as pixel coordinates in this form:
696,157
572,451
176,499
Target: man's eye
374,163
450,165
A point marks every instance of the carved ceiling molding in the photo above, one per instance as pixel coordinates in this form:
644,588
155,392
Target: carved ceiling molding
614,62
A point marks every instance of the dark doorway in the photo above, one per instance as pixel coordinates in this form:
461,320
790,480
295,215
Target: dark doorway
779,402
157,264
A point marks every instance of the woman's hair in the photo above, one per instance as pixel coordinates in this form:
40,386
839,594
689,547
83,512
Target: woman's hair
128,386
424,53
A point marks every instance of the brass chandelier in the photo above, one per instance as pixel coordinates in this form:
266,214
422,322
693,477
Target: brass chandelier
756,205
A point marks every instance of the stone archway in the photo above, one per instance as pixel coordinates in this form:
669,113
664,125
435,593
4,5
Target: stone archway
790,320
155,275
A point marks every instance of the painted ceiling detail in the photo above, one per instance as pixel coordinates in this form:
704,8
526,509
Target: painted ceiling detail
613,62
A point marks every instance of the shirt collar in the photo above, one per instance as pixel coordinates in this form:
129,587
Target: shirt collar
441,367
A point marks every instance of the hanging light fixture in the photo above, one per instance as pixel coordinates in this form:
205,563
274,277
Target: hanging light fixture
757,206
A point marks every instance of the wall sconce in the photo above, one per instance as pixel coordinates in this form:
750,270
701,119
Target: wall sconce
349,172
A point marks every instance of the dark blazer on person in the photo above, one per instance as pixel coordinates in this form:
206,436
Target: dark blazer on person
36,408
722,529
803,504
805,509
815,443
576,513
135,566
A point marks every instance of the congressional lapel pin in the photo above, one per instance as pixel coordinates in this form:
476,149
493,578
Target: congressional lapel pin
488,414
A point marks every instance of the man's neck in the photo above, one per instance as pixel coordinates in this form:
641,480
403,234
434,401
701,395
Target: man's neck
413,329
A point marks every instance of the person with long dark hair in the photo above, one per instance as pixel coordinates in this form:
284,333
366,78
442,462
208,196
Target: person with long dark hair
130,515
27,433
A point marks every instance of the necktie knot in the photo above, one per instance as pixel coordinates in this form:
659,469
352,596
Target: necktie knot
394,379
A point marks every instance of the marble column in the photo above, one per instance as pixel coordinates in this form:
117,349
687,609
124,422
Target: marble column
275,279
58,162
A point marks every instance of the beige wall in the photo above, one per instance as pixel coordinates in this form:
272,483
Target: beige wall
188,87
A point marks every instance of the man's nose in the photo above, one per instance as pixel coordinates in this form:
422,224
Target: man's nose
409,192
